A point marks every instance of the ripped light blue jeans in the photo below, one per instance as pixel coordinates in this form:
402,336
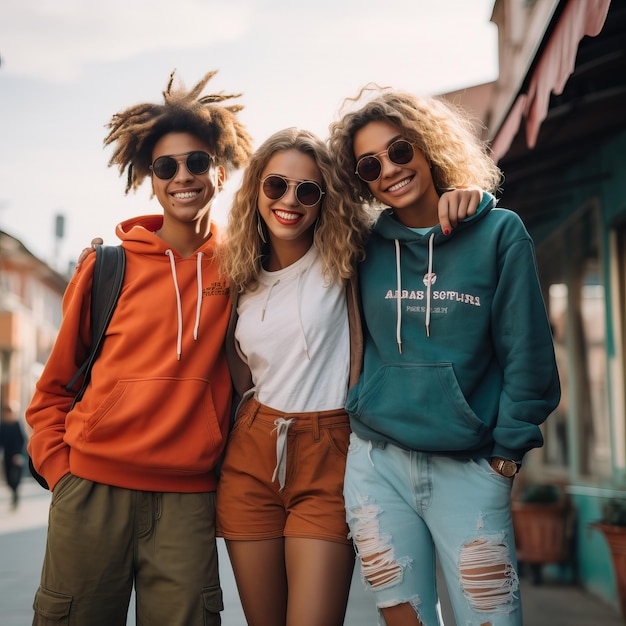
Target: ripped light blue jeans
402,505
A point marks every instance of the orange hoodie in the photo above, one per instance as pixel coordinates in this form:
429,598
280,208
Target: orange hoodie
155,414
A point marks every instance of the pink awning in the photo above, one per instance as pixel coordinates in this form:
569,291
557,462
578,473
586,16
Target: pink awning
556,65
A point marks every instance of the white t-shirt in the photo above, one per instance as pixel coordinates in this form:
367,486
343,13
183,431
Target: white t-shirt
293,333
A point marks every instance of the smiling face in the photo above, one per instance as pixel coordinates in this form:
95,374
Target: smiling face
290,224
408,189
185,197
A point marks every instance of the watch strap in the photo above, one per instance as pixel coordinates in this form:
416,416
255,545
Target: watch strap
499,465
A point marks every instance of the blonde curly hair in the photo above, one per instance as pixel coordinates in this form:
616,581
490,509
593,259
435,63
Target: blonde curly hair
136,130
443,133
342,228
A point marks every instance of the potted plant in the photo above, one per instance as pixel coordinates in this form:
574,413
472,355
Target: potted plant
613,526
542,523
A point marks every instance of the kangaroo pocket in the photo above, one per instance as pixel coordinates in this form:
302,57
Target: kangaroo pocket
421,407
167,423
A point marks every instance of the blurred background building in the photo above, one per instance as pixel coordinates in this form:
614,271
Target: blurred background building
556,121
30,314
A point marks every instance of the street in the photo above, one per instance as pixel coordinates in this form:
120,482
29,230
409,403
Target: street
22,543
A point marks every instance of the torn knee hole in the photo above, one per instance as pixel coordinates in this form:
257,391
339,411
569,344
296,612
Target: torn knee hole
378,562
487,574
381,569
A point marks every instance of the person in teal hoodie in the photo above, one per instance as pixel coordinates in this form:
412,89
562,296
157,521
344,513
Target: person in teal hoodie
459,369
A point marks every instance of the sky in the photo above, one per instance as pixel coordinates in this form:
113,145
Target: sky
66,66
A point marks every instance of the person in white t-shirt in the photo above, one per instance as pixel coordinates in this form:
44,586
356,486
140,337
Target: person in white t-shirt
294,345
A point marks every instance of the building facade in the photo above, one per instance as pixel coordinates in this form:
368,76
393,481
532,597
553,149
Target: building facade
31,295
557,126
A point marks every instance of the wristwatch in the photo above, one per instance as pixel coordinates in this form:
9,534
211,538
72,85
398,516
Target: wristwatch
504,467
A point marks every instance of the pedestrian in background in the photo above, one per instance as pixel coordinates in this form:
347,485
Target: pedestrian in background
12,441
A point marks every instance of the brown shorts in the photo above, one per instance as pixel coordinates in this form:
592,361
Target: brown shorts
250,502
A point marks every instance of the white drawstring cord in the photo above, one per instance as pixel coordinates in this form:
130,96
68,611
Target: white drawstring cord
429,282
399,299
280,471
179,309
199,301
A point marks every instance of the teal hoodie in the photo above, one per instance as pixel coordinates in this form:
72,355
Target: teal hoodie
462,364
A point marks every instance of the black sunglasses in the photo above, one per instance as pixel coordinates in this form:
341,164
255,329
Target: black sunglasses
165,167
369,167
308,192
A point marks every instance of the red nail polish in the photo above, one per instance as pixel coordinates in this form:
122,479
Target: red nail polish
446,231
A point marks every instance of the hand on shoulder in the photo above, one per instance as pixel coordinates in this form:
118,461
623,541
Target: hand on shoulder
456,205
90,250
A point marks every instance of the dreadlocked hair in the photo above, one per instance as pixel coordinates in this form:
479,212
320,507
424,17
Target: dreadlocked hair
136,130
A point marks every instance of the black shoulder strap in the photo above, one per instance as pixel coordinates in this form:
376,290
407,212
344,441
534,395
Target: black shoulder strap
108,276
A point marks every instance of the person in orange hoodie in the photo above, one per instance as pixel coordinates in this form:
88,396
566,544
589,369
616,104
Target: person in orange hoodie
132,465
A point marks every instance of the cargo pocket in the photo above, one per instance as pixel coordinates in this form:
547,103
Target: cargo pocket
213,605
51,608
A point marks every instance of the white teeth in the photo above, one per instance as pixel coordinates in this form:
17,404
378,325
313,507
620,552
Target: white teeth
402,183
286,216
186,194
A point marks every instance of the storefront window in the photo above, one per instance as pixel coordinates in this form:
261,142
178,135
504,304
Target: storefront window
556,427
594,414
577,434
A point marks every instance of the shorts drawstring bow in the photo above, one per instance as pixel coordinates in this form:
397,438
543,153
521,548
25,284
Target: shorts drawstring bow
280,471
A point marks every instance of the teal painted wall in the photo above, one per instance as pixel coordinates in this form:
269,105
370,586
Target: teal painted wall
601,174
598,176
595,569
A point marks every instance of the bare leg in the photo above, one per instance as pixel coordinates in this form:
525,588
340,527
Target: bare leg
401,615
319,574
259,568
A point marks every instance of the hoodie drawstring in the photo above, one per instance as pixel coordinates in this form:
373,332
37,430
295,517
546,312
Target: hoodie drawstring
398,299
429,281
199,302
179,308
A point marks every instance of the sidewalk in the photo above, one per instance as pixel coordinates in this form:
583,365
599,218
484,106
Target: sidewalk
22,541
565,605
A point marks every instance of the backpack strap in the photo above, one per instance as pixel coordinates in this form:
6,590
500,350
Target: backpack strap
108,277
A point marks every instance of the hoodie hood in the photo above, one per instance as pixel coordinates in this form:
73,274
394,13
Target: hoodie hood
138,235
389,227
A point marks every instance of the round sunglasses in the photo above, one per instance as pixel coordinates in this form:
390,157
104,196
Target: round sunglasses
196,162
308,192
370,167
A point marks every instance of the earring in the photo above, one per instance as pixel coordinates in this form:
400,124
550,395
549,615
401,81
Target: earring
259,227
